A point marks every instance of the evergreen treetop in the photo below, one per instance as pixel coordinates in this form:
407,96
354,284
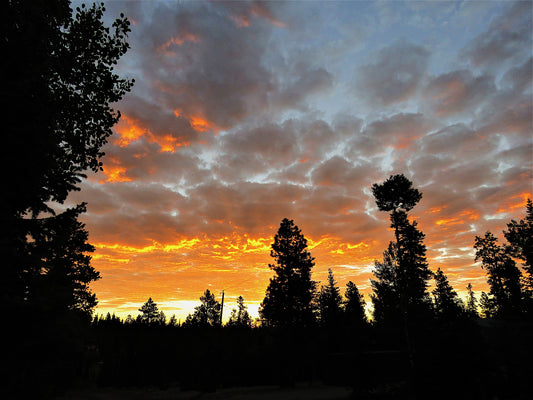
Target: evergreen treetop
289,296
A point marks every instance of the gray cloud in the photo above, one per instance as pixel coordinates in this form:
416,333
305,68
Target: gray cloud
508,37
239,119
458,92
395,73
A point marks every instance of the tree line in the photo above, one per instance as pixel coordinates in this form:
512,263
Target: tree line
306,333
401,279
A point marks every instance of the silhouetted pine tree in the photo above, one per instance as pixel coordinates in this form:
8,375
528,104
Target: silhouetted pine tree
60,281
386,297
471,302
289,296
150,313
173,321
207,314
411,273
354,306
520,237
503,275
487,305
447,302
240,317
330,302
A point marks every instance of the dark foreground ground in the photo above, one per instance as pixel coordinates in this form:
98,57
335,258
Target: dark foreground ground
298,392
482,359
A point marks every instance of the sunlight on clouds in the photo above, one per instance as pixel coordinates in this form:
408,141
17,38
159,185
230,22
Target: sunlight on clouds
514,203
218,149
114,172
130,129
165,48
183,244
198,123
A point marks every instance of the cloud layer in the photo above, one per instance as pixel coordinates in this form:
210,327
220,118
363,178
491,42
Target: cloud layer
245,113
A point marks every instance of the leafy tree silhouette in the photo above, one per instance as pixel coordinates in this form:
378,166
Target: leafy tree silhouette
59,84
240,317
207,314
289,296
503,275
58,116
448,305
330,302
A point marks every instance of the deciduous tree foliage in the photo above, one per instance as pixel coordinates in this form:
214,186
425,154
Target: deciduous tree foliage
59,82
289,296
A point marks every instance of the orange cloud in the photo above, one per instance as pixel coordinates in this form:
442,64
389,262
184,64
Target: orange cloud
130,129
114,172
434,210
198,122
177,41
242,21
179,271
515,203
258,10
176,273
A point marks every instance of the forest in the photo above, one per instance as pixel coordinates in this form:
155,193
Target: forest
417,343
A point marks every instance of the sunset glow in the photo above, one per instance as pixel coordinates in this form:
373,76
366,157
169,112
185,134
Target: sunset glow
245,113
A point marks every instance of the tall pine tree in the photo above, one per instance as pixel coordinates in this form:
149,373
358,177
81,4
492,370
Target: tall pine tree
503,275
471,303
354,306
207,314
385,295
330,302
240,317
519,235
289,296
150,313
409,273
447,302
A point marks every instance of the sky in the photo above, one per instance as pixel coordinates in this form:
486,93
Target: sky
245,113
